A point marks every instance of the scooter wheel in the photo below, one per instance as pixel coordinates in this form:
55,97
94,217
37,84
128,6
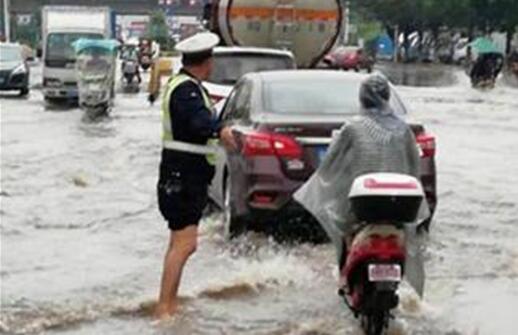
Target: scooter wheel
374,324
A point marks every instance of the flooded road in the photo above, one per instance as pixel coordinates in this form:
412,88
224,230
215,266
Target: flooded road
82,241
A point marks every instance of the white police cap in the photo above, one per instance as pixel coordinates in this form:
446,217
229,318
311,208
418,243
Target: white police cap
199,43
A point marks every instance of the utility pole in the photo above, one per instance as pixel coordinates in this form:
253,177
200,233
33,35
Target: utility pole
7,21
347,22
396,43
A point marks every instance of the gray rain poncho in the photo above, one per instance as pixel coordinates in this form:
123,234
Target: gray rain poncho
376,141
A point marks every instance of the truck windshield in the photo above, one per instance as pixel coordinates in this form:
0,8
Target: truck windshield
59,45
10,54
228,68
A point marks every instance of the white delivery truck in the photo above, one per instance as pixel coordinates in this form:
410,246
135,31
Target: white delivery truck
61,27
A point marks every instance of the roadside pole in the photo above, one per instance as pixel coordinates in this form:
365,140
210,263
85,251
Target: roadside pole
7,21
396,44
346,28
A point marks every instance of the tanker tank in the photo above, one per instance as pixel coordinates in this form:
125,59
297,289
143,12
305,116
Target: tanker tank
308,28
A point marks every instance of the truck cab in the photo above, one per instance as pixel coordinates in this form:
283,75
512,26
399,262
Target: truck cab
59,76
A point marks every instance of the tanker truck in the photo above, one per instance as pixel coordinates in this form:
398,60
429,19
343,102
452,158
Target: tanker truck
307,28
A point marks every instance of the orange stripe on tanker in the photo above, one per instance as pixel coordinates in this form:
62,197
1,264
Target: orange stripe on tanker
283,13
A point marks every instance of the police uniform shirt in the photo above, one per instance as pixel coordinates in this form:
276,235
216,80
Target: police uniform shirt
191,122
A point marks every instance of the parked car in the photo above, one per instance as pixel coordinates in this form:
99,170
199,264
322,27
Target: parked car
349,58
231,63
14,71
283,123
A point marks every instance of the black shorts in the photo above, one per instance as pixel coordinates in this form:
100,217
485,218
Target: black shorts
181,199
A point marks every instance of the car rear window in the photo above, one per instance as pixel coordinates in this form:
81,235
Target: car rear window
329,96
229,68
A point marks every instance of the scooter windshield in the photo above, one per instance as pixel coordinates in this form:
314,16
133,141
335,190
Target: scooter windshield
96,74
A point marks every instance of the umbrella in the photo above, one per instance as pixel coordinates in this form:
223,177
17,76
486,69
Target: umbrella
484,46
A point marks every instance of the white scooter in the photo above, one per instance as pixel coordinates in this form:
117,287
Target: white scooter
375,262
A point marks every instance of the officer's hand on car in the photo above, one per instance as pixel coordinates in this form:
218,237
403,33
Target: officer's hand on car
227,138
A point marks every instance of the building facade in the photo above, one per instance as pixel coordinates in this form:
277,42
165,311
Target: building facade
132,15
121,7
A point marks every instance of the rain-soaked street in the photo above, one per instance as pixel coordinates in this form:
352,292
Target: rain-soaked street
82,241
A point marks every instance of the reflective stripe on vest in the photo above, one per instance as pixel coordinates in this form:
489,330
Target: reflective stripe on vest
190,147
168,141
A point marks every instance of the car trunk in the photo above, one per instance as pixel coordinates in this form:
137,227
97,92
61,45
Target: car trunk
313,138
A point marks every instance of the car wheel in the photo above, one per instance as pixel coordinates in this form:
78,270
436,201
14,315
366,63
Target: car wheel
24,91
234,226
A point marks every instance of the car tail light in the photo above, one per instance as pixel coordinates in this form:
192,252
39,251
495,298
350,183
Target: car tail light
263,198
216,98
426,143
266,144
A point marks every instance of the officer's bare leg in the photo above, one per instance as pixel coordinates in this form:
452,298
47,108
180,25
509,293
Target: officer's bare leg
182,244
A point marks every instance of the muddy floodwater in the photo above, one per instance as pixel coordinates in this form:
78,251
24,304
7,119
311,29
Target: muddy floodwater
82,240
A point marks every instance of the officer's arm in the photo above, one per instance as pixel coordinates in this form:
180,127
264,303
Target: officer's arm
189,102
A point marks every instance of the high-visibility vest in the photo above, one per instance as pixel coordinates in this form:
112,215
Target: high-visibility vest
168,141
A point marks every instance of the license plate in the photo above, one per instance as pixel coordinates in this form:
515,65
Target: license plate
321,153
384,273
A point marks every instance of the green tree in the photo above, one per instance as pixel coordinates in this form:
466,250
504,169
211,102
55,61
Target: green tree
158,29
494,15
420,15
401,13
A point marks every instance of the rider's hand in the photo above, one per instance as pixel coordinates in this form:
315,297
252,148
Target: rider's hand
227,138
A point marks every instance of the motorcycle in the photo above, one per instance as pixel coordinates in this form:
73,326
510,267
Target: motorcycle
95,67
487,66
130,69
483,74
145,54
374,265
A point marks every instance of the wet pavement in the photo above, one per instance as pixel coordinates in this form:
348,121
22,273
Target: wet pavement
419,75
82,240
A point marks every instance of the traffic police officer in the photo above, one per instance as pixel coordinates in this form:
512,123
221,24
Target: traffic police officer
186,170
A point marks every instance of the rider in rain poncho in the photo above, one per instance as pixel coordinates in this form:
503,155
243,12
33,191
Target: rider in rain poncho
377,141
